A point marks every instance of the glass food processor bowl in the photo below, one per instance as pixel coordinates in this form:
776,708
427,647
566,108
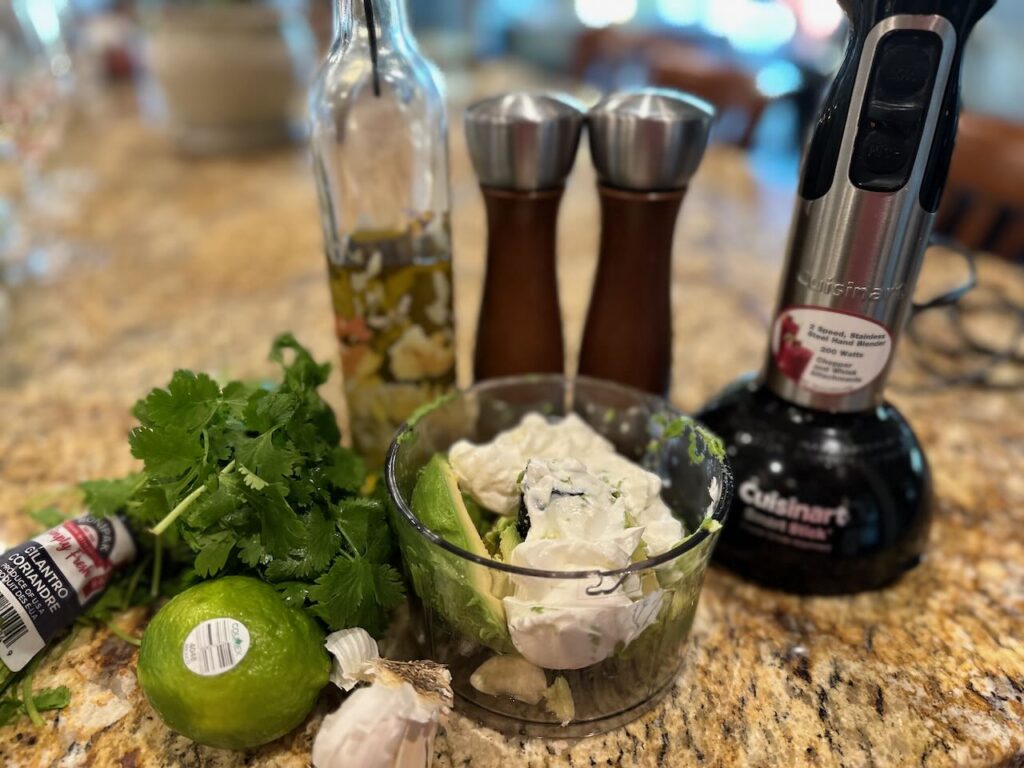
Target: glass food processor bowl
623,653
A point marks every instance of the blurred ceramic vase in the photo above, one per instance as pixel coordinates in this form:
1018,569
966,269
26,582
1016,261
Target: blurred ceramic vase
231,75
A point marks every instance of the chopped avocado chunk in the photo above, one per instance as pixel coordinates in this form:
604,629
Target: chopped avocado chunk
476,513
509,539
503,538
459,590
491,537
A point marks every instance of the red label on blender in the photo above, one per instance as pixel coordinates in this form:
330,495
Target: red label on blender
46,582
827,351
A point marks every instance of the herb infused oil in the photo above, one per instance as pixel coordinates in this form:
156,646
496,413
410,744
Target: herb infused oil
380,155
392,299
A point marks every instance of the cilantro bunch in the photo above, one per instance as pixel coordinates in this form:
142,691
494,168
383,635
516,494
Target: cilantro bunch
249,479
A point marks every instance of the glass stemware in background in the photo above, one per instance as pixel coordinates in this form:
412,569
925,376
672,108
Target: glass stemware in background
35,89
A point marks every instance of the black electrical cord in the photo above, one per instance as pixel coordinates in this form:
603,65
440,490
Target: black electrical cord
966,345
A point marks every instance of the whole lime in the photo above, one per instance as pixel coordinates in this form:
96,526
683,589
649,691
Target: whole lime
228,664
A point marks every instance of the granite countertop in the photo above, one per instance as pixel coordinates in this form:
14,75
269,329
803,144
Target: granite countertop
198,264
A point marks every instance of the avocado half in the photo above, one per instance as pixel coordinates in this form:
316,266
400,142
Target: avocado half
458,589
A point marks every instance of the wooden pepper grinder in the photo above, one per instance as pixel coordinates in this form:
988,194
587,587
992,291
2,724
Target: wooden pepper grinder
523,147
646,146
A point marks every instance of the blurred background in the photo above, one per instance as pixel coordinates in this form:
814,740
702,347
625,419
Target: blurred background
193,68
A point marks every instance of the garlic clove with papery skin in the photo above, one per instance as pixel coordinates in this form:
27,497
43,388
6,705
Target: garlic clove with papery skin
354,651
380,726
392,722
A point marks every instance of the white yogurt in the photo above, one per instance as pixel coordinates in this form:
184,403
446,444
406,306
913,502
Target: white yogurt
590,509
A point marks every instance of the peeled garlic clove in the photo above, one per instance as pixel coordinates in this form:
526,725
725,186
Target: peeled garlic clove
558,701
510,676
354,651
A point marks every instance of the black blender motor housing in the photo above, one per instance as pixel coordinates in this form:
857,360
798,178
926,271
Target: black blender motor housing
833,491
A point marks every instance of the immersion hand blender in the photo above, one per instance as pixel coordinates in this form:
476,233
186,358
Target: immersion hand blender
833,489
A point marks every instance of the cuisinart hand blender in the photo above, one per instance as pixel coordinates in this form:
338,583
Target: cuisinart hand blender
833,490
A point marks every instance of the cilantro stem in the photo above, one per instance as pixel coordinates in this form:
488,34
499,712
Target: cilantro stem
183,505
116,630
26,697
133,583
158,560
175,513
63,645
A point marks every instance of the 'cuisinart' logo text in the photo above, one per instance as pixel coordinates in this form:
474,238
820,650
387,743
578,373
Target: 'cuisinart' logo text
849,289
790,507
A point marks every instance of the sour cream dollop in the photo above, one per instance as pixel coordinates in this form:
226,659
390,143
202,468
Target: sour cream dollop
490,472
590,508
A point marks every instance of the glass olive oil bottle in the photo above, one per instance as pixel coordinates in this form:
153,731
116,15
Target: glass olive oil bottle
380,155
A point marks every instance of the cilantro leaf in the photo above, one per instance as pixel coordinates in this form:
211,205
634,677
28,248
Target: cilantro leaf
47,517
167,452
188,402
281,529
148,505
253,480
388,586
214,552
287,569
270,462
212,507
267,410
250,551
340,593
108,497
12,708
346,470
294,593
52,698
235,397
303,373
356,593
322,540
353,517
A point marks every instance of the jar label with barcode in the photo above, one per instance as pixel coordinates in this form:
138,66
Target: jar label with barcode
46,582
215,646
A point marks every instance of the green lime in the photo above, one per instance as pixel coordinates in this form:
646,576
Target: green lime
228,664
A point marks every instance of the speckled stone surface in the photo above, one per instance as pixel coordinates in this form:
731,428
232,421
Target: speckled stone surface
199,264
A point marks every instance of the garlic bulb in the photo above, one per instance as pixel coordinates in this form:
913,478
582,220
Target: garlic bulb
392,722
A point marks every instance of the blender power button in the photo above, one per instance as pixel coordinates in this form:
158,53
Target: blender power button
883,153
904,69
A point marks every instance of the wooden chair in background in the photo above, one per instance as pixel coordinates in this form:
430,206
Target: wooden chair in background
604,49
672,61
983,204
732,90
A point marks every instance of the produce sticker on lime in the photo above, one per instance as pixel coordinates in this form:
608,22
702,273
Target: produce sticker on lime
215,646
